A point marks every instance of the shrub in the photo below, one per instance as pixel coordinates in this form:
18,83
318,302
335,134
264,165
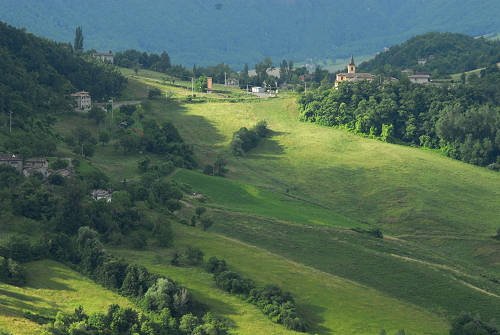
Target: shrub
154,93
12,272
59,164
215,265
56,179
192,256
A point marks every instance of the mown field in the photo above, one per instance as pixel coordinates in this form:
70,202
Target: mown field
51,287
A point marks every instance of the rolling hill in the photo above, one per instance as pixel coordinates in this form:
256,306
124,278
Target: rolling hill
238,32
306,194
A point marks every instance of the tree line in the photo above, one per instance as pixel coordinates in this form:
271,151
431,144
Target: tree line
278,305
462,120
441,54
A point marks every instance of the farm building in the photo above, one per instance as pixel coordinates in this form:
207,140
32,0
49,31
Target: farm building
83,101
420,78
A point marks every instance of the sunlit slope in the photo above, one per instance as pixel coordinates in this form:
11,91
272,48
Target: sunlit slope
51,287
330,303
401,189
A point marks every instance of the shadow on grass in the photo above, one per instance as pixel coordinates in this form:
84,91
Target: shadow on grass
18,296
214,305
313,318
16,308
188,125
49,277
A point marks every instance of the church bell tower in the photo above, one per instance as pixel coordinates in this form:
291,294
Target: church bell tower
351,68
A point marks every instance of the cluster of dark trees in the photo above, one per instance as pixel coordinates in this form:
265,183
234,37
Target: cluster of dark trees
443,53
67,206
158,139
11,272
279,306
462,120
127,321
133,59
244,139
467,325
37,77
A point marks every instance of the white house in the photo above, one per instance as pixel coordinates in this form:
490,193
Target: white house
258,89
83,101
105,57
101,194
420,78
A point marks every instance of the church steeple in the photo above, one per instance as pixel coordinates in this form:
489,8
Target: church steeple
351,68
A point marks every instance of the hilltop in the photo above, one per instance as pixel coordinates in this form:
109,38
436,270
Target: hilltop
441,54
238,32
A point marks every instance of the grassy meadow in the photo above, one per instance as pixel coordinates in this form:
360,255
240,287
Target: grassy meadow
331,304
284,214
51,287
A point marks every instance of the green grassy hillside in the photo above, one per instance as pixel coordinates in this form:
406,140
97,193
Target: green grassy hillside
284,213
331,303
51,287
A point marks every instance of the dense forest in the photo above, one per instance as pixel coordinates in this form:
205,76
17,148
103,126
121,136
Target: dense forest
442,53
37,77
237,32
462,120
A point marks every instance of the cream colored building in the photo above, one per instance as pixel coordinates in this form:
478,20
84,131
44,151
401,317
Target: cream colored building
83,101
351,74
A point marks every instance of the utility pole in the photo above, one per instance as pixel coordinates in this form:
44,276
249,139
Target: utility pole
112,114
10,122
192,86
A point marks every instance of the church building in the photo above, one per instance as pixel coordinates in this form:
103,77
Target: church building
351,74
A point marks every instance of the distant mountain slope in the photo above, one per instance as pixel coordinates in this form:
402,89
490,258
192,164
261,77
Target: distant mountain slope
440,53
238,31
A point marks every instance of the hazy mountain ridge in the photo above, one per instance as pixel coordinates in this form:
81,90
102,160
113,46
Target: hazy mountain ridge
238,32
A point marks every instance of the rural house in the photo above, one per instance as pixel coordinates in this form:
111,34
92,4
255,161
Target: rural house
83,101
420,78
12,160
36,165
105,57
101,194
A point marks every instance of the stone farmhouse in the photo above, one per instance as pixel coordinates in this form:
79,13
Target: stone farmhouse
28,166
83,101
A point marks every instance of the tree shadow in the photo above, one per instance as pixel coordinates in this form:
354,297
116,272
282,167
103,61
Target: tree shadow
18,296
217,306
312,315
16,308
50,279
268,146
196,128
